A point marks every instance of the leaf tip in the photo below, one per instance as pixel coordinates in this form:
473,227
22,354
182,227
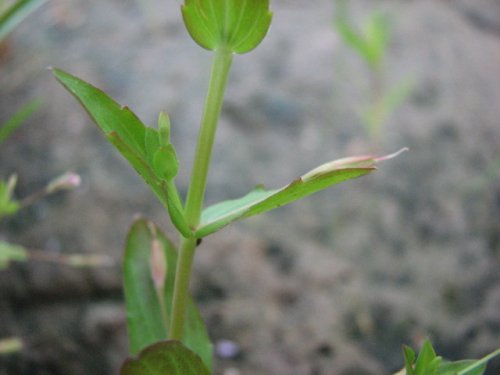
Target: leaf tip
393,155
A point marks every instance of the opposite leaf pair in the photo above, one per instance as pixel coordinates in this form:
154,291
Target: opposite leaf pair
152,155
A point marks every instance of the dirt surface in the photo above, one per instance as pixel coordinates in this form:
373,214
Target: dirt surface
330,285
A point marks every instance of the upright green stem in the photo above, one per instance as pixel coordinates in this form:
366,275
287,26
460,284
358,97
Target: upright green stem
213,104
196,193
181,287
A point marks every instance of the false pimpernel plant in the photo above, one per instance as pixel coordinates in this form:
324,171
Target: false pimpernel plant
166,332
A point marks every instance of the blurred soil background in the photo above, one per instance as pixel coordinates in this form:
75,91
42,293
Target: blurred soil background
333,284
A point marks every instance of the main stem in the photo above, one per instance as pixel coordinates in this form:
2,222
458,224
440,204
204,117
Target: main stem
194,203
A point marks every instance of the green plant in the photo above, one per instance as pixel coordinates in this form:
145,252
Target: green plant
18,119
10,252
9,206
166,332
428,363
370,42
12,13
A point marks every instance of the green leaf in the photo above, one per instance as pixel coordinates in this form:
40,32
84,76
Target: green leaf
260,200
350,36
370,43
453,368
164,129
8,206
10,252
479,366
144,318
106,113
139,144
409,356
18,118
145,322
427,362
17,12
165,358
238,25
376,34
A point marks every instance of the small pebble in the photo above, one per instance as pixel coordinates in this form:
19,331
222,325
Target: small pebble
227,349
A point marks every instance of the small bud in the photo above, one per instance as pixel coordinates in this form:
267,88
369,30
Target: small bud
158,264
11,184
238,25
164,128
165,162
67,181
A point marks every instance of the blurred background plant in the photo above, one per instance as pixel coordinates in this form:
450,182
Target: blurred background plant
370,41
11,14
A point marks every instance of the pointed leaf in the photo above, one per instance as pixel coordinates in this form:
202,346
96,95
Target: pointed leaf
138,143
260,200
479,366
370,43
106,113
351,37
144,318
376,33
17,12
18,118
165,358
409,356
427,362
454,368
145,322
